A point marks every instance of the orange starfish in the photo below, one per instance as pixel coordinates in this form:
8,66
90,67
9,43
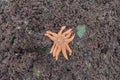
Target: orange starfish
61,41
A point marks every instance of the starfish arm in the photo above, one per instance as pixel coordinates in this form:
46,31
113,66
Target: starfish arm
64,53
67,32
57,53
68,48
70,39
54,51
61,30
53,47
51,33
68,35
51,37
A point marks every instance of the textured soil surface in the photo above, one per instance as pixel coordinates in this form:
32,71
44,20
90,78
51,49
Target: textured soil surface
24,50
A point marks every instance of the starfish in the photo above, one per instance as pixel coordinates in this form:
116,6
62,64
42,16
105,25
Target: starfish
61,41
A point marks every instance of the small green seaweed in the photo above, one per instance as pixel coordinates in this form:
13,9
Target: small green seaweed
89,64
87,53
12,38
81,30
29,31
86,77
37,73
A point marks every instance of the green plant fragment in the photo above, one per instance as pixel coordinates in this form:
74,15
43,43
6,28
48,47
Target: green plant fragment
81,30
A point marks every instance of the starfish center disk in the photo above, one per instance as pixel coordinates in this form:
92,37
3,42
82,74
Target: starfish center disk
60,39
